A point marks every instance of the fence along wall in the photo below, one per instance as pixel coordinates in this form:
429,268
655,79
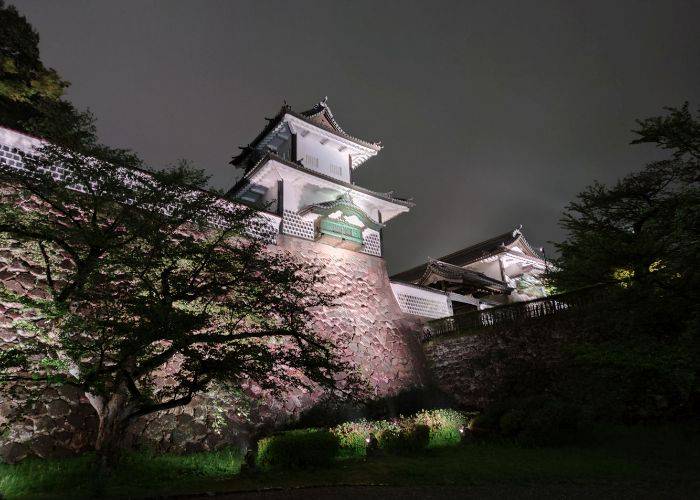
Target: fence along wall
513,313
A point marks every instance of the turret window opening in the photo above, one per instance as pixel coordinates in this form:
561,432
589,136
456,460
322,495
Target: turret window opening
336,170
311,162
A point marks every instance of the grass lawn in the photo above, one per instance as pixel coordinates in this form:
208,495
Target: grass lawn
646,459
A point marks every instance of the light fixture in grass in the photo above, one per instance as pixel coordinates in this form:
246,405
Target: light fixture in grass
444,425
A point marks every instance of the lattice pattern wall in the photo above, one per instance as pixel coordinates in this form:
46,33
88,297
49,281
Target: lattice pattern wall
421,302
265,227
11,156
13,145
294,225
372,243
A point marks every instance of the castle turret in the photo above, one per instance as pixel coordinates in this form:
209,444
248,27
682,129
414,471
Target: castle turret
300,167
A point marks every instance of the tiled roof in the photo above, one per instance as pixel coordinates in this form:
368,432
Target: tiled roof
246,151
473,253
310,116
469,278
321,109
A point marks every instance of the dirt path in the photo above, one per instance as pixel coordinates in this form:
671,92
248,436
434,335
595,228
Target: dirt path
499,491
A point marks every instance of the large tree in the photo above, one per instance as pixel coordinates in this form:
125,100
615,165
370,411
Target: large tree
142,270
640,357
146,271
644,229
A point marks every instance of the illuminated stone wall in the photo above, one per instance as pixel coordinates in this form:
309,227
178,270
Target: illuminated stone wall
367,325
376,335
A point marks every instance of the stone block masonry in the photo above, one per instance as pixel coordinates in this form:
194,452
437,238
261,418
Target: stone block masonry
366,324
470,366
378,337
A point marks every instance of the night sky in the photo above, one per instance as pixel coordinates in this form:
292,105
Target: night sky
491,114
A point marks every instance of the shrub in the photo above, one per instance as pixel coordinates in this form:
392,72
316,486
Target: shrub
329,413
298,448
535,421
399,436
402,436
444,426
352,437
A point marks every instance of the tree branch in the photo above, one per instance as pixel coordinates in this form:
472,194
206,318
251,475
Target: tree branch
47,263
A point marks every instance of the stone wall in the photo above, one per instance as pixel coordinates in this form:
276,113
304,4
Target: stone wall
59,420
368,327
378,337
367,324
470,366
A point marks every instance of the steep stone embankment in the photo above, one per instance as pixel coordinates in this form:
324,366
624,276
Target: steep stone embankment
471,365
366,324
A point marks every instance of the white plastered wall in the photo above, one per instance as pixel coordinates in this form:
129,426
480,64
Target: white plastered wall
331,161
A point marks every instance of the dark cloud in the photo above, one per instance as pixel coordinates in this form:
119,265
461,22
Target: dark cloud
492,115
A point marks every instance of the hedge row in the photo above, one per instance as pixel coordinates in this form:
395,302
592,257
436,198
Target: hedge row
299,448
317,447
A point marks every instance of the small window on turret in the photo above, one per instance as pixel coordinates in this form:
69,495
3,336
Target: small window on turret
311,162
336,170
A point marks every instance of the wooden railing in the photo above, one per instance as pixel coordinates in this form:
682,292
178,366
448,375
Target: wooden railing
517,312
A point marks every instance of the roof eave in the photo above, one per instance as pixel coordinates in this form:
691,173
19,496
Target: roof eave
244,181
340,133
238,160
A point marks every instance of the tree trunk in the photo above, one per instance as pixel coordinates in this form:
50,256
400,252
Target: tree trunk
110,433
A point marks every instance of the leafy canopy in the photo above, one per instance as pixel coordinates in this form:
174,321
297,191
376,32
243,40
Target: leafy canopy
644,229
637,356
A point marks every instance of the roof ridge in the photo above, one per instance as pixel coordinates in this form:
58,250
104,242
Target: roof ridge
321,107
503,236
438,267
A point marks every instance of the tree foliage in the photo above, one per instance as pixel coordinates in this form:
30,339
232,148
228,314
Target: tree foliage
32,95
644,229
148,273
144,272
636,356
24,77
